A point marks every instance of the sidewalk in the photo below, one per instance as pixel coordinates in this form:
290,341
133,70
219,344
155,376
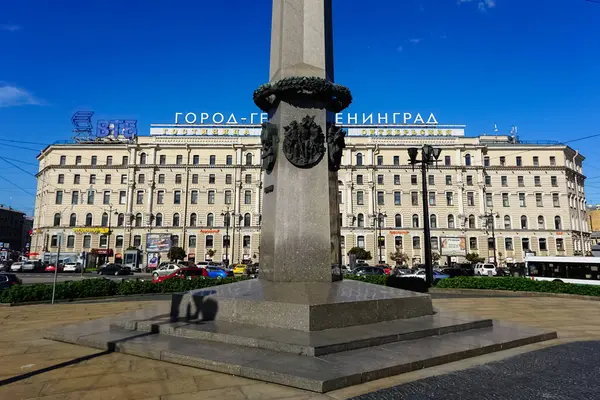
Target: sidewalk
123,377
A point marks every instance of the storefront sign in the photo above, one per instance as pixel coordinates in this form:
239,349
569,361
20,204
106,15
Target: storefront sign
210,230
102,231
399,232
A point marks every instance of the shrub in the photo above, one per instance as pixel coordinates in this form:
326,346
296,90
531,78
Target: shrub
105,287
518,284
411,283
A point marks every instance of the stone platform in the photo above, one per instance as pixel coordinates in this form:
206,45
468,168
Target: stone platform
317,360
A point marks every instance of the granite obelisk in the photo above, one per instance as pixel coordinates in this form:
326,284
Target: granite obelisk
300,229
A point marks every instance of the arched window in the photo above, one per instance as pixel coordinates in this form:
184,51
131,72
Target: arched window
73,220
121,219
467,160
176,219
361,220
557,223
451,221
142,158
415,221
398,221
56,219
359,159
523,222
471,221
249,159
432,221
138,219
507,223
210,219
158,219
88,219
193,219
541,224
104,221
247,220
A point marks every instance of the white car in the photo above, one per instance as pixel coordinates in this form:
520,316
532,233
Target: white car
167,269
16,267
28,266
418,274
485,269
72,267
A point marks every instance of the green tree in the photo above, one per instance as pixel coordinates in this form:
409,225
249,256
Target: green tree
210,252
474,258
176,254
399,256
360,253
435,256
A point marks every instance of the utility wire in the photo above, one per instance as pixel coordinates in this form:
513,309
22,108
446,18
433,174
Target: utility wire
17,186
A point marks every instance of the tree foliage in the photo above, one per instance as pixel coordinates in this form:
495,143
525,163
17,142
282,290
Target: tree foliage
360,253
176,253
399,256
474,258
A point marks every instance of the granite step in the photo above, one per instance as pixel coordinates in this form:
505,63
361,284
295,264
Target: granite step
316,373
314,343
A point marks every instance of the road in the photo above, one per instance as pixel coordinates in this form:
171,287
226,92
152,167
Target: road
48,277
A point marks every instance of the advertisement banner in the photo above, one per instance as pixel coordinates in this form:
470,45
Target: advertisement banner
454,246
158,242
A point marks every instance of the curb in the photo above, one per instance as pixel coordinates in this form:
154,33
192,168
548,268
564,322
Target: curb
86,299
492,292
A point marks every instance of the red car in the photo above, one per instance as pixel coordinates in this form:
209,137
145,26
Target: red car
183,273
386,268
51,268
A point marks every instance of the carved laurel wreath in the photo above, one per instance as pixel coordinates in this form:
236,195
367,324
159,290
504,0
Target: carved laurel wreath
335,97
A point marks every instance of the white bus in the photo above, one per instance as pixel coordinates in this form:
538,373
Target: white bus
580,270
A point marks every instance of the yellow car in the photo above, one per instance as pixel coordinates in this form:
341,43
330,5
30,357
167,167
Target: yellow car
239,269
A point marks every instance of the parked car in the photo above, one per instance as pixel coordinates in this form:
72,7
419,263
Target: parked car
437,275
31,266
239,269
217,272
202,264
9,280
114,269
167,269
361,271
52,268
485,269
5,265
386,268
182,273
16,267
71,267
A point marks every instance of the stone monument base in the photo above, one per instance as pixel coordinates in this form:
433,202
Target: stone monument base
281,342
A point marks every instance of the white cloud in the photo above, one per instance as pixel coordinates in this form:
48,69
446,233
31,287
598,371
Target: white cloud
10,28
415,40
399,49
11,96
483,5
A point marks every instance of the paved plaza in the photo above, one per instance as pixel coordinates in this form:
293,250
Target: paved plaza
35,368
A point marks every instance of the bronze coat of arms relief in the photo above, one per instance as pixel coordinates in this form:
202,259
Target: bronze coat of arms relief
269,139
304,143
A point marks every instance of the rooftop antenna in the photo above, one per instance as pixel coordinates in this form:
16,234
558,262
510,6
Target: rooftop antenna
496,129
513,133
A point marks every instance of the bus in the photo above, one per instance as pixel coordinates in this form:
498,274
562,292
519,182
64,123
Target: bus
579,270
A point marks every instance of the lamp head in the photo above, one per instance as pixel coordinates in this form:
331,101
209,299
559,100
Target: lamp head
427,151
436,153
412,153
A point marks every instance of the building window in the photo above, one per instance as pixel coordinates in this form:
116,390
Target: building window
432,198
119,241
194,197
536,161
541,222
195,179
246,241
398,242
537,181
179,160
471,220
557,223
248,179
104,220
361,220
397,199
380,198
522,200
505,201
247,219
59,197
502,161
76,179
121,219
210,220
177,197
77,160
123,179
552,161
508,244
142,158
141,178
507,224
211,197
415,221
451,221
339,197
433,221
249,159
525,244
208,241
176,219
473,243
380,179
125,160
193,219
488,200
360,242
247,197
177,178
137,241
414,198
359,159
447,161
212,160
227,219
103,241
229,160
491,244
107,179
519,161
138,219
87,241
92,179
398,221
488,180
228,197
75,197
158,220
56,219
61,179
359,179
448,180
396,179
555,200
160,197
359,198
70,241
523,222
396,160
162,159
538,200
88,219
520,181
486,161
470,199
139,197
470,180
192,241
379,160
504,181
413,180
416,242
196,159
72,220
63,160
554,181
228,179
560,245
106,197
449,199
468,160
90,196
431,180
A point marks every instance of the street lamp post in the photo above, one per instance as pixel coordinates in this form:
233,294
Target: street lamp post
380,216
226,218
429,156
490,220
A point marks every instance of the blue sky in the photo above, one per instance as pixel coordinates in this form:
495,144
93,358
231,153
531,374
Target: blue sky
530,63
